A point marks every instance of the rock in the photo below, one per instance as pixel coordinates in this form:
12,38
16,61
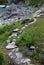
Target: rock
18,55
10,54
14,34
22,28
16,30
2,6
41,55
25,60
9,37
10,46
13,43
32,47
15,50
8,41
26,25
14,40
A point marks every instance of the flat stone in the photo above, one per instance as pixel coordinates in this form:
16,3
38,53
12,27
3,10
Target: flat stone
14,34
26,25
19,55
15,30
25,60
32,47
10,46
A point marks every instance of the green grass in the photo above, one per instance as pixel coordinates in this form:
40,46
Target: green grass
36,31
6,30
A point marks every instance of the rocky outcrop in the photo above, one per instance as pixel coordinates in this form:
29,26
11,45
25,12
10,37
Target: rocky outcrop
13,13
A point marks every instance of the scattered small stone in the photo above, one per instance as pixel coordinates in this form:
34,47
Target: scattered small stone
15,50
14,40
25,60
15,30
14,34
22,28
9,37
32,47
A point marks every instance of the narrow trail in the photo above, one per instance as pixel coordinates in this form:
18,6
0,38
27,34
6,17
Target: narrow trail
35,16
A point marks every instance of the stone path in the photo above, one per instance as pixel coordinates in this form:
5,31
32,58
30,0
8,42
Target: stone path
14,53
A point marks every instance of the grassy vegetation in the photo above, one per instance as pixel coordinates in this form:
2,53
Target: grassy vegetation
36,30
6,29
33,35
2,59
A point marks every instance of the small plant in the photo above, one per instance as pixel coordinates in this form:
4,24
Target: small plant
2,59
36,56
26,39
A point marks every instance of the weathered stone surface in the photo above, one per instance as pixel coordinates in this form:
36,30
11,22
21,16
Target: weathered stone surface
13,43
10,46
8,41
14,13
14,34
24,60
15,50
32,47
16,30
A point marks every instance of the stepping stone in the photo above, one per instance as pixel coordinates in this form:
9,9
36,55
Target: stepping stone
10,46
14,40
15,30
14,34
22,28
24,60
32,47
18,55
26,25
9,37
